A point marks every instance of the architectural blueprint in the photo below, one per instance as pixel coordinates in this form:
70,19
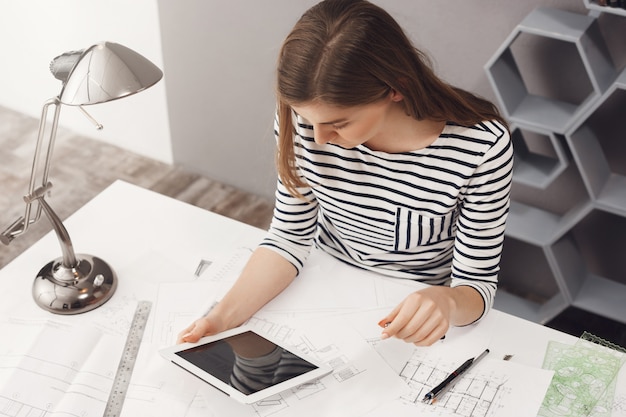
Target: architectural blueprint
40,377
492,388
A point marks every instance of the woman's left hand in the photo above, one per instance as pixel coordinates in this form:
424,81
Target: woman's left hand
425,316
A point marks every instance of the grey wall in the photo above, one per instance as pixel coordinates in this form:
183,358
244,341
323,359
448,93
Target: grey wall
219,59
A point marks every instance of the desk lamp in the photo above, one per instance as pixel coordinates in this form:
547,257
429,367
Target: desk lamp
76,283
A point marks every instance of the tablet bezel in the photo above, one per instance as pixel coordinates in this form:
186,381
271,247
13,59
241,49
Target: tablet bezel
170,353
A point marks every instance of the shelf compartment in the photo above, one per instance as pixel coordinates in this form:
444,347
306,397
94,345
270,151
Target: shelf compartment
587,264
601,238
539,156
593,61
598,145
526,284
602,296
530,276
541,227
530,310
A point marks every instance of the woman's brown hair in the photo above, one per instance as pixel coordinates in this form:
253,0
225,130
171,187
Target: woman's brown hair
350,53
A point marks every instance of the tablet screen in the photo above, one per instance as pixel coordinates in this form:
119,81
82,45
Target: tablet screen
247,361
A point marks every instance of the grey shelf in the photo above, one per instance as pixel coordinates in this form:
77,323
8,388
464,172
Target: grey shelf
567,221
542,111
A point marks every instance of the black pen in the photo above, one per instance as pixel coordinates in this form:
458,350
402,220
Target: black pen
447,383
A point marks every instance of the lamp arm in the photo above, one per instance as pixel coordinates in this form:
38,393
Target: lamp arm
53,133
22,224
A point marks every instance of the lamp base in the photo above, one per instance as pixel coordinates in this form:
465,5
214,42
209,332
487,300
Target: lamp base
63,290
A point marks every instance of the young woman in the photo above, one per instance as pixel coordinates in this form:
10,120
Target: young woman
384,166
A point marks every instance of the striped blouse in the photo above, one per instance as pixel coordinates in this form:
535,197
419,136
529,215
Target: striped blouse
435,215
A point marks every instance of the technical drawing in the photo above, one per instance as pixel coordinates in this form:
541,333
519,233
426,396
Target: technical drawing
474,395
11,407
45,378
40,377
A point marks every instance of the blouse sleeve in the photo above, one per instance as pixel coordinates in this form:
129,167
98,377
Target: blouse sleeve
481,221
294,222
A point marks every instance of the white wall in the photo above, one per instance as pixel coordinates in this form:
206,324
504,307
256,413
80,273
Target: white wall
220,57
33,32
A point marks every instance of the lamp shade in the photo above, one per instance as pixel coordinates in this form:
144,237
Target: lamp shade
107,71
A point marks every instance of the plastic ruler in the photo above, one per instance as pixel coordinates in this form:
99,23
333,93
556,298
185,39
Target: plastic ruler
127,361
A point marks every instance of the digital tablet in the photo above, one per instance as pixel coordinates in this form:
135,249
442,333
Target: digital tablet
246,365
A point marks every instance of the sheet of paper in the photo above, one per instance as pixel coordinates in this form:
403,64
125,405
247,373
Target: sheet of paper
39,375
180,295
177,305
323,286
494,388
327,285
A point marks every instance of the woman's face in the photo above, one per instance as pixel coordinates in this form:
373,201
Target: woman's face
347,127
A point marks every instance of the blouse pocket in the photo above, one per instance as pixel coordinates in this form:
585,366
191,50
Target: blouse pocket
415,228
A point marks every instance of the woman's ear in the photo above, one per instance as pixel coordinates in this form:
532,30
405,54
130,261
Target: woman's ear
396,96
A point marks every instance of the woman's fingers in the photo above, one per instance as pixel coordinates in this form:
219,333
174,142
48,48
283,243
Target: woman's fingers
418,320
195,331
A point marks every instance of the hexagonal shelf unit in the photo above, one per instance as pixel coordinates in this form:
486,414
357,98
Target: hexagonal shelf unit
598,144
539,110
566,230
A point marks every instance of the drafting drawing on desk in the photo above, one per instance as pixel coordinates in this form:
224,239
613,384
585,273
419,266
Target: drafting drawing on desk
475,394
41,377
584,380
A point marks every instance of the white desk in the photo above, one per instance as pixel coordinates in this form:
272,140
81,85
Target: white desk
127,226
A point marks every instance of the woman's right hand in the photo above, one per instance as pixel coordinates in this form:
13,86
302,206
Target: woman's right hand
205,326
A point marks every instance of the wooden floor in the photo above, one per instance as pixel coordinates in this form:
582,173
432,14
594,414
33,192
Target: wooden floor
83,167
